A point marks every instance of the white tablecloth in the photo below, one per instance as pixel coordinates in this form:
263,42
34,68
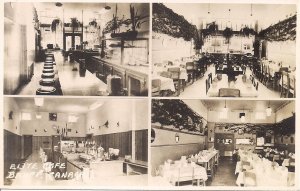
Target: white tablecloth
246,90
166,83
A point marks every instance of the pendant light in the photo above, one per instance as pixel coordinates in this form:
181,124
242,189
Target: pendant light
224,113
269,110
243,116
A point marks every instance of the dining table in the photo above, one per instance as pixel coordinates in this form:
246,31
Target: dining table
166,83
181,170
256,171
246,88
207,158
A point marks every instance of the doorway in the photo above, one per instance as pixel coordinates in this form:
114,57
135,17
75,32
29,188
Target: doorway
27,146
224,142
72,40
55,141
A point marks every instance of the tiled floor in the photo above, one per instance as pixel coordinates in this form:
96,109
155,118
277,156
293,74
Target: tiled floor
197,89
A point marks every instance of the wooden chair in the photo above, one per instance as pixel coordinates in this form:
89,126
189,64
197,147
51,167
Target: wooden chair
175,75
190,69
210,77
229,92
285,83
207,83
292,83
156,83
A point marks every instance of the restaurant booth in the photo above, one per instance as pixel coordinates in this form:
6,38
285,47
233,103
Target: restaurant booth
67,142
222,143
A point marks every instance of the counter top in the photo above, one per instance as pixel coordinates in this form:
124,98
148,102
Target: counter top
74,159
116,62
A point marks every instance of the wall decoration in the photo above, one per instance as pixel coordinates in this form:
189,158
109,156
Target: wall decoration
176,115
281,31
10,115
52,116
168,22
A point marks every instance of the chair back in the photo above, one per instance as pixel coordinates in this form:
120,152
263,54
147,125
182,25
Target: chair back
116,86
210,77
291,83
207,85
156,83
189,66
285,79
175,73
166,74
229,92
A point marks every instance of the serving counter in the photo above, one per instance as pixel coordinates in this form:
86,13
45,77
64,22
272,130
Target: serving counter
133,77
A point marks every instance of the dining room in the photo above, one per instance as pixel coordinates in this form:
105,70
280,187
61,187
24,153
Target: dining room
62,142
232,143
223,50
76,49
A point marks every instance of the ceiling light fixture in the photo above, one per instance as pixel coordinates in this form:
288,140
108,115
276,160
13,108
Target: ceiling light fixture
26,116
243,116
72,119
39,101
38,116
58,4
224,112
95,105
269,110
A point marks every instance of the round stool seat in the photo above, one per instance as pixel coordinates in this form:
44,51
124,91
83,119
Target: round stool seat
48,71
48,68
49,58
48,75
47,82
46,90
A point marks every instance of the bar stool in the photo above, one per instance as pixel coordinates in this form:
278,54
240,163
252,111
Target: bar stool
47,82
48,75
45,90
48,71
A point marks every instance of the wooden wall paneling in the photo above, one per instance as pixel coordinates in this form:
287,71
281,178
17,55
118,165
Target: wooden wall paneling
44,142
141,144
120,141
12,149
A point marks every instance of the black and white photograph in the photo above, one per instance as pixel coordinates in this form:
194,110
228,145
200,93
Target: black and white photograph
91,142
232,143
203,50
76,49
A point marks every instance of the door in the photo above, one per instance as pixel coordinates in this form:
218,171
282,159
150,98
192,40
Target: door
224,142
27,146
55,141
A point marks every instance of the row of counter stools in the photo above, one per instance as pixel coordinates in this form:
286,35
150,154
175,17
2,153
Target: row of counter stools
47,81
